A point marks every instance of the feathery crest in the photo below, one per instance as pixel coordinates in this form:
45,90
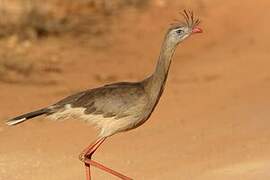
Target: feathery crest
190,20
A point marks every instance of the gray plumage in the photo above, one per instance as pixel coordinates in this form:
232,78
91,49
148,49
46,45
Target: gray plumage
112,100
120,106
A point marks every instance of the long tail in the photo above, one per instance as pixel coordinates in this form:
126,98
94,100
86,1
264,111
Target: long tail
24,117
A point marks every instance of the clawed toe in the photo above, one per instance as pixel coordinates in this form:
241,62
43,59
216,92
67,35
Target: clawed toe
82,157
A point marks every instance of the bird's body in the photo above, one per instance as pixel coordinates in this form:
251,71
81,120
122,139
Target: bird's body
120,106
112,108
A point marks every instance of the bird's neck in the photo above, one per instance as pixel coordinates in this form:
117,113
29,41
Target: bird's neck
156,82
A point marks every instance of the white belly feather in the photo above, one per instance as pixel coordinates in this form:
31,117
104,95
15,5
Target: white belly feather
108,126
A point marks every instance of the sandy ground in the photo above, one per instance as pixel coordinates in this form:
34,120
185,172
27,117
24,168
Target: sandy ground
213,119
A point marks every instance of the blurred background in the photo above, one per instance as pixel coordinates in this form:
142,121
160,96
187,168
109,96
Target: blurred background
212,121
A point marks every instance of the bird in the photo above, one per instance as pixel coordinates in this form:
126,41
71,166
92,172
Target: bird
121,106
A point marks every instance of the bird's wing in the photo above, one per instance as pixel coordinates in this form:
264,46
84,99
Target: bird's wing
113,100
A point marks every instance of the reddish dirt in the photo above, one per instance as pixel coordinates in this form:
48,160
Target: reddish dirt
212,121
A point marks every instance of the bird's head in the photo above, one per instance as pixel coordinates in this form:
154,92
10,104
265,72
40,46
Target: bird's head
181,30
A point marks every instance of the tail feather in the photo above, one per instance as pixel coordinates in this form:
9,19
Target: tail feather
24,117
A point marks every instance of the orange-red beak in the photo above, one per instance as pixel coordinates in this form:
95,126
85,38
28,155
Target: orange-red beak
197,30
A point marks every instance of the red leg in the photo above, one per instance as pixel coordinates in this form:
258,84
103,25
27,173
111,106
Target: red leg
104,168
88,171
86,156
89,151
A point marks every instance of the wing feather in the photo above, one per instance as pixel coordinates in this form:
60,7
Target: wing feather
113,100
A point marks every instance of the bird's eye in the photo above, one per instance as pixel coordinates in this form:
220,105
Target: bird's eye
179,31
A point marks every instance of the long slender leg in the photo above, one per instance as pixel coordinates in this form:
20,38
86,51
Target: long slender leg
102,167
89,151
88,171
86,156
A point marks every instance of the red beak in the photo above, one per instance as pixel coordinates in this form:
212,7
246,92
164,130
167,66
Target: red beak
197,30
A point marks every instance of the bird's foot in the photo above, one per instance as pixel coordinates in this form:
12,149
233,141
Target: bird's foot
89,162
83,157
86,159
